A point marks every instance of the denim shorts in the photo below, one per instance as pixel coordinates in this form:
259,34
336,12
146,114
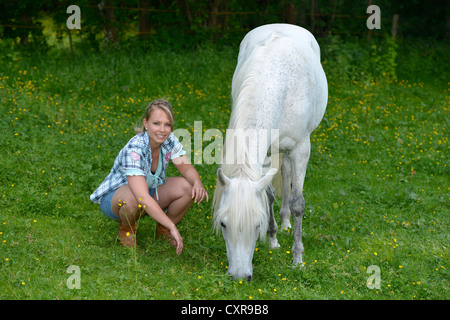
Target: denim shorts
105,204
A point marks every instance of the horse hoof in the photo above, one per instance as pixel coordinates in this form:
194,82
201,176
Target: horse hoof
298,266
298,262
286,228
274,244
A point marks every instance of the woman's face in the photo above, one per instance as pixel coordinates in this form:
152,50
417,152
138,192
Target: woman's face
158,127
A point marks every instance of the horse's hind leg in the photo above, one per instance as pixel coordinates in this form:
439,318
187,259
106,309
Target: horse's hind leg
285,213
272,223
299,160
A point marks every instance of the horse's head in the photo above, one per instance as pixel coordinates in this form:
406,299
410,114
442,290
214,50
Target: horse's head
243,216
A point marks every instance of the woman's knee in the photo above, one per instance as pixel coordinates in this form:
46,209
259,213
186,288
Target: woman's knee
178,187
185,186
124,200
130,205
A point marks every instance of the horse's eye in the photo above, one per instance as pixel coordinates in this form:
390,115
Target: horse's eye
223,225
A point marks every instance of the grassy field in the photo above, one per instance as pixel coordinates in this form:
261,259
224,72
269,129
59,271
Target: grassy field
377,191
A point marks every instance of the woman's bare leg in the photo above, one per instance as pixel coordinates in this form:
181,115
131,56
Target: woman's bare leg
175,196
125,206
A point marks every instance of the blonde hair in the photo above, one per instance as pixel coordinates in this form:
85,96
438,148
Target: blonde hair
156,104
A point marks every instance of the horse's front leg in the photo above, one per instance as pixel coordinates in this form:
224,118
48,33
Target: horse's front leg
299,161
273,227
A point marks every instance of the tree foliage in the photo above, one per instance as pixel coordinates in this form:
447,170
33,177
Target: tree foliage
185,23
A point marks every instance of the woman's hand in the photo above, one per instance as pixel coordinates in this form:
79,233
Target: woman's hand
199,193
176,237
188,171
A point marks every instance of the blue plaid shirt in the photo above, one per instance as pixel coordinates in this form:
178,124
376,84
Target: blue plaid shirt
136,159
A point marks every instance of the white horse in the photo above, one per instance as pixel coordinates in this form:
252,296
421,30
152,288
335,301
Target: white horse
278,87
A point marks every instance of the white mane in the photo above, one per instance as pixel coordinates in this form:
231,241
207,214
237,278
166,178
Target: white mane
245,86
243,209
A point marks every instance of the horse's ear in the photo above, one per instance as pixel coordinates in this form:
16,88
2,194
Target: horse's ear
262,184
222,178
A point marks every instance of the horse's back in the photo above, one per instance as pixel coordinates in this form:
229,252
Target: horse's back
263,35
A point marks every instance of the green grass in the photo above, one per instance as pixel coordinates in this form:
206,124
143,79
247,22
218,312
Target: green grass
376,191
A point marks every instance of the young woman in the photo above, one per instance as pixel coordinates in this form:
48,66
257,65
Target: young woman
137,184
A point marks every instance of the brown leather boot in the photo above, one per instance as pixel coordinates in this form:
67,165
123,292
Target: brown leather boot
127,235
164,234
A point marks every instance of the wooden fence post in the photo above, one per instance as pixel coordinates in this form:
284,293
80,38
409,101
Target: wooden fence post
394,26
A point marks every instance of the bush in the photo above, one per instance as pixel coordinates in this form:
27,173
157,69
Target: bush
359,60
